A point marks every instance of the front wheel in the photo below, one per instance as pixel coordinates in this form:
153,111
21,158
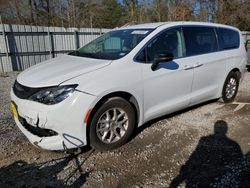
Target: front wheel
230,87
112,124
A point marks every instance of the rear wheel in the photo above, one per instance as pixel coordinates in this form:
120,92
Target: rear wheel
230,87
112,124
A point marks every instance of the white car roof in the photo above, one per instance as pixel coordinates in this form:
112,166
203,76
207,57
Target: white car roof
145,26
164,24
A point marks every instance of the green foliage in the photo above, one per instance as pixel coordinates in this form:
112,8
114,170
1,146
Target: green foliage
111,14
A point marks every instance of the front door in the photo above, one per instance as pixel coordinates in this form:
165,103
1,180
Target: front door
168,88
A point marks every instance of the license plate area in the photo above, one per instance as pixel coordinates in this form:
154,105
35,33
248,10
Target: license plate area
14,109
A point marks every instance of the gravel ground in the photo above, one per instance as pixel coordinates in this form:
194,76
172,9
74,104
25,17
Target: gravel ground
204,146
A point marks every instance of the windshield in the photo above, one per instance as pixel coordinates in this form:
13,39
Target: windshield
112,45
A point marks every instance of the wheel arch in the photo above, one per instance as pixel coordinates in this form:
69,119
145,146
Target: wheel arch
223,79
125,95
237,71
233,70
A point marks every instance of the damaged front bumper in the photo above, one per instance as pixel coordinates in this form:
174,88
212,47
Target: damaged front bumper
54,127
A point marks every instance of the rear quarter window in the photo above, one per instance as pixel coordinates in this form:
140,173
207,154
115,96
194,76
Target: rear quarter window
228,39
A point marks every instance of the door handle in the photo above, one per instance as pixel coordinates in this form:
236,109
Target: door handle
187,67
198,65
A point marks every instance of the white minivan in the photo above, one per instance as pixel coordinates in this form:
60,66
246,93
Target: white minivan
100,93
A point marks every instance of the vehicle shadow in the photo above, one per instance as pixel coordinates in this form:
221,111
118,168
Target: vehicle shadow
216,162
45,174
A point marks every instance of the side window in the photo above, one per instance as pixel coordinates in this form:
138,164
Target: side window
228,39
167,42
200,40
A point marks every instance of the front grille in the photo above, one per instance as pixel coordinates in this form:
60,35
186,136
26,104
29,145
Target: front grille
23,92
41,132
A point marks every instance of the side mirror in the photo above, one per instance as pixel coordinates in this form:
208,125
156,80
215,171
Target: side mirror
161,58
247,45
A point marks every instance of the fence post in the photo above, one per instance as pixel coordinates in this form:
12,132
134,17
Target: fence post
77,42
5,42
51,43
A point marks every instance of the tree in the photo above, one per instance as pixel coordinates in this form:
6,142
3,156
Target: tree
114,13
110,15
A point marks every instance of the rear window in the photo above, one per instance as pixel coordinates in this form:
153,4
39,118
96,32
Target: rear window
200,40
228,39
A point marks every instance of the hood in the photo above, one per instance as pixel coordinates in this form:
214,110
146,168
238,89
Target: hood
55,71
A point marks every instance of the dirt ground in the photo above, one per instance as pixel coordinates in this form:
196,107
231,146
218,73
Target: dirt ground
204,146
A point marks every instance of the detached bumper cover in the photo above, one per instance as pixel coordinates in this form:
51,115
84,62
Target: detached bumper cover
54,127
40,132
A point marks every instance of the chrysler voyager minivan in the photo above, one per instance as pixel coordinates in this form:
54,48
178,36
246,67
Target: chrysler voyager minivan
100,93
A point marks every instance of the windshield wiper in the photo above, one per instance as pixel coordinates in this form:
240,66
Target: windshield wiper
75,53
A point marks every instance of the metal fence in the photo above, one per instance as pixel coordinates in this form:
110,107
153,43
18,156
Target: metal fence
22,46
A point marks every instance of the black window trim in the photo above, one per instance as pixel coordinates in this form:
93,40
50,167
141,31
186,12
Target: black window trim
226,49
215,34
215,29
148,42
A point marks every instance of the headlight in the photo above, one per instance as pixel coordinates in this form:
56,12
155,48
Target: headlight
53,95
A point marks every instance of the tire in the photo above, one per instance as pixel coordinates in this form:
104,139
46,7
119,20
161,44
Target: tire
112,124
230,87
